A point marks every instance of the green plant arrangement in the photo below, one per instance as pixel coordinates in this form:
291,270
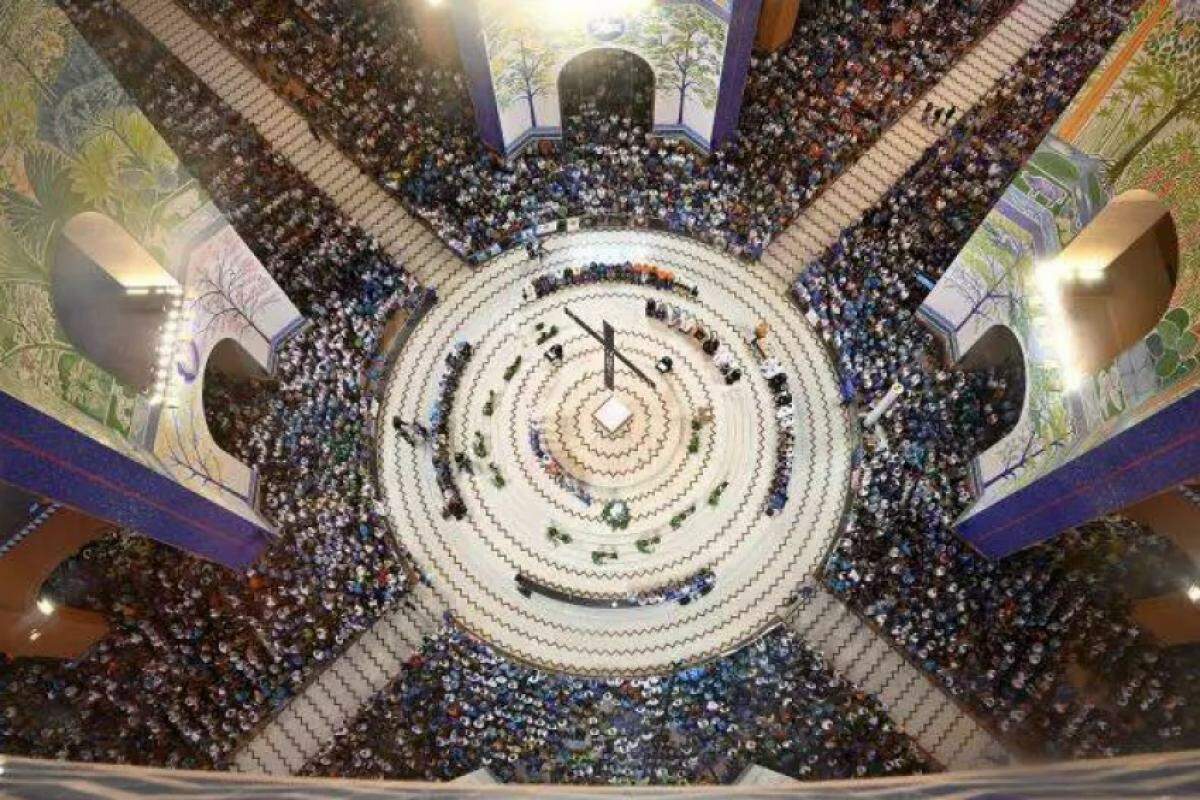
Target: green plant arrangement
497,478
602,556
489,407
714,496
547,334
694,442
512,368
556,536
478,446
677,520
648,545
616,514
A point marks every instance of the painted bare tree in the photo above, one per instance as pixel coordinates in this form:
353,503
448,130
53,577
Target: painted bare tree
1046,427
187,456
986,292
686,45
522,62
230,299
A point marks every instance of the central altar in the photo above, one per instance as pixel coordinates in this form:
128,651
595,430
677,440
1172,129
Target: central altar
613,414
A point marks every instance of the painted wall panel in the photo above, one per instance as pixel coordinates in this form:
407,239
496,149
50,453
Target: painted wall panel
1135,125
73,147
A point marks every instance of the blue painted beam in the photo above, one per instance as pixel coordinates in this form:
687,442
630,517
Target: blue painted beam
1159,452
46,457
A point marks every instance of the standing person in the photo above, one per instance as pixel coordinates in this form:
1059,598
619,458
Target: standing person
402,429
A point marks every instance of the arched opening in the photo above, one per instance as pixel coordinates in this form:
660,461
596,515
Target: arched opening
600,84
233,393
1114,281
995,369
111,298
37,619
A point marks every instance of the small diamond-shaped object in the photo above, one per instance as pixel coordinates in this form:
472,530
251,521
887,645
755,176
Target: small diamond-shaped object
613,414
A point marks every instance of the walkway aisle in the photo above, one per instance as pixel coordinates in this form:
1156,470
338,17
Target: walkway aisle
901,146
355,193
308,722
856,652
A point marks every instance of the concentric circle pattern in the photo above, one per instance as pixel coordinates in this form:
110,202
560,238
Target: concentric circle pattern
693,464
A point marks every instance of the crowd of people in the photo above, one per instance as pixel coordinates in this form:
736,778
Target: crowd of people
636,273
198,657
444,458
1010,637
554,468
683,591
809,111
459,705
683,321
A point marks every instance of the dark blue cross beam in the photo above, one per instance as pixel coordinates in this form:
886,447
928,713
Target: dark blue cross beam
610,352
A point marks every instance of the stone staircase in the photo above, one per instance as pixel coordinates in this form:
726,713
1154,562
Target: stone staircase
355,193
861,186
923,710
332,701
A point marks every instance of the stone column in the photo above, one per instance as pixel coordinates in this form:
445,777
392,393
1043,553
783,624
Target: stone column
435,28
1171,618
1173,515
28,629
775,24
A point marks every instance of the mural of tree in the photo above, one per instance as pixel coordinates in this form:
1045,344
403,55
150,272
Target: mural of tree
522,62
124,169
686,45
1166,81
986,291
35,213
1045,427
229,300
32,46
187,453
29,339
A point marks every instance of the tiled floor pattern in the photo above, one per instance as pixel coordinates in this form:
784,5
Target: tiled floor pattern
333,700
356,194
757,558
290,740
925,712
866,181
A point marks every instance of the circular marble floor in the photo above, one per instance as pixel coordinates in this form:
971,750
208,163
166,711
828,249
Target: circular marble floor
657,462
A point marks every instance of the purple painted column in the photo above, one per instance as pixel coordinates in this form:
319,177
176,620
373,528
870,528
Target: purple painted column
1160,452
742,26
473,51
43,456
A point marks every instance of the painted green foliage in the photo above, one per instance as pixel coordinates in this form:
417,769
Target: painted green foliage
686,45
1173,345
68,144
33,42
1148,132
1161,89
